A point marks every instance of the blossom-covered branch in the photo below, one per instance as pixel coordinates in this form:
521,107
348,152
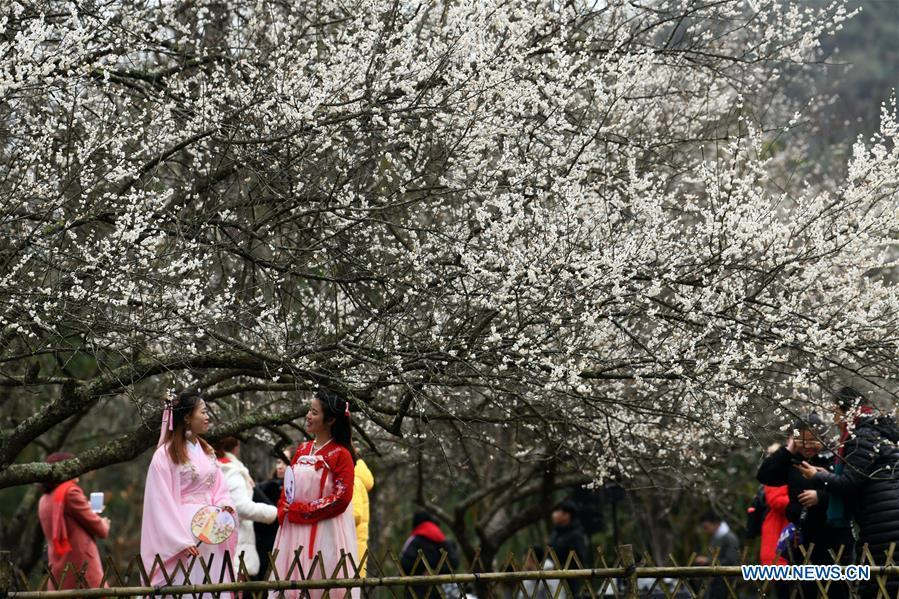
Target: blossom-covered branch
586,220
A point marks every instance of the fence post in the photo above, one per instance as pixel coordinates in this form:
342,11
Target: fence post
6,573
626,555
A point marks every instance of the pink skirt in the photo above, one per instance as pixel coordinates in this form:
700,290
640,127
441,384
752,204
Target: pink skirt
334,537
212,555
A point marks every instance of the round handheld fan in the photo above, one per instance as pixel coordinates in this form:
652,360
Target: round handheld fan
212,525
290,484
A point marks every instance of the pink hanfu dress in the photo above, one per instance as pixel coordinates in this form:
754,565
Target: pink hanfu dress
172,495
319,521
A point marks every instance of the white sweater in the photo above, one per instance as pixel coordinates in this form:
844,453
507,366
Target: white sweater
240,485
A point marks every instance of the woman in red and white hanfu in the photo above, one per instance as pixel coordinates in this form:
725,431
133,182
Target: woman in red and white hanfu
319,521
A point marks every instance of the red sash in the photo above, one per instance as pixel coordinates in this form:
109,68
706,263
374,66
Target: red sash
60,538
321,492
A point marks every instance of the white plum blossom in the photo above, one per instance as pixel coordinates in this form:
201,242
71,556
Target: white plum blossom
583,218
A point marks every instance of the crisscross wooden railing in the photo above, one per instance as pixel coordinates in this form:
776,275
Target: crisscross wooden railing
625,575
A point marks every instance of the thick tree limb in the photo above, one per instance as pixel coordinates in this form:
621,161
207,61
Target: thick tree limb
128,447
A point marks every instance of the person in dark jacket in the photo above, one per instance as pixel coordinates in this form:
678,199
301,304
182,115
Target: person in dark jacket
568,540
807,507
268,492
864,483
568,537
274,485
723,542
427,538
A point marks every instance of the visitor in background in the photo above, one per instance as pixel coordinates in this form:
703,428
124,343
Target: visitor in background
568,541
723,541
429,539
777,499
807,508
240,486
364,482
536,559
70,527
864,483
268,491
275,483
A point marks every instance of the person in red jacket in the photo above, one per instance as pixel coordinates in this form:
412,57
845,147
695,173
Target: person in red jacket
777,500
70,526
315,522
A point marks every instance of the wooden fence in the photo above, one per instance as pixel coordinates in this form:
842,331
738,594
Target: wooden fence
625,575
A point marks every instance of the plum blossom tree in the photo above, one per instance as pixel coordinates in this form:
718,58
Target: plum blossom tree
580,216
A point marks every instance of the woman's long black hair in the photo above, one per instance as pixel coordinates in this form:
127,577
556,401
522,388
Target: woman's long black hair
336,408
184,405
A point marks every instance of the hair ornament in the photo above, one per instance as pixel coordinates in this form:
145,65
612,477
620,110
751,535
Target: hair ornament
168,418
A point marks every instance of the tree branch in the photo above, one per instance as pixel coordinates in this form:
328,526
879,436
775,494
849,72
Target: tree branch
127,447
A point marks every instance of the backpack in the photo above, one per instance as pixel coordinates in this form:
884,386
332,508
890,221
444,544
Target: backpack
755,514
790,538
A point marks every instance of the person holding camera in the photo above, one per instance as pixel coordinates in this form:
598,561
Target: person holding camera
863,484
808,505
71,527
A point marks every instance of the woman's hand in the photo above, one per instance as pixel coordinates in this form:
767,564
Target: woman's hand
808,498
192,550
807,470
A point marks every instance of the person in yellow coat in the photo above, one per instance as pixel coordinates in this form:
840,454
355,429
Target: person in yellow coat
361,486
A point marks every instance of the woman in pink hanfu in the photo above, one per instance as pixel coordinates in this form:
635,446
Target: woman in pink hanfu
318,521
183,477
